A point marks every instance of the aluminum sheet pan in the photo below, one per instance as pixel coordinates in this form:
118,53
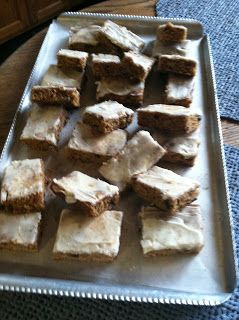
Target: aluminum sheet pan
204,279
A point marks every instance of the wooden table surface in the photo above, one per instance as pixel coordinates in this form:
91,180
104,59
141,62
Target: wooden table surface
14,72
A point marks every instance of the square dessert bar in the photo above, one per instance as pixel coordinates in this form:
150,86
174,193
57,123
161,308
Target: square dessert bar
83,238
93,196
23,186
179,90
20,231
171,32
140,153
87,147
183,150
121,90
169,119
106,65
72,59
165,189
84,38
119,38
165,235
177,64
44,126
171,48
107,116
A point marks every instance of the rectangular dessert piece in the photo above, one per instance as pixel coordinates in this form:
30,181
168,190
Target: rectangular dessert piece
164,235
44,126
56,95
165,189
140,153
179,90
73,59
177,64
169,119
107,116
23,186
62,77
181,150
87,147
175,48
83,238
118,37
85,38
91,195
106,65
20,231
121,90
171,32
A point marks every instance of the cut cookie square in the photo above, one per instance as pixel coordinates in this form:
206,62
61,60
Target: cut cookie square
177,64
171,32
171,48
164,235
165,189
107,116
91,195
106,66
85,238
23,186
72,59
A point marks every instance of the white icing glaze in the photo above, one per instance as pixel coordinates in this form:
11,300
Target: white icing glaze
19,229
168,182
139,59
180,232
171,48
179,87
169,109
80,234
105,58
106,144
122,37
118,87
109,110
84,35
58,77
185,145
139,154
73,54
42,124
22,178
78,186
176,58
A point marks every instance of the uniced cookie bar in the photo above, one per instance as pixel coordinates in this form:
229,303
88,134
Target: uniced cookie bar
165,235
44,126
171,32
23,186
93,196
20,231
88,147
169,119
83,238
140,153
72,59
177,64
107,116
165,189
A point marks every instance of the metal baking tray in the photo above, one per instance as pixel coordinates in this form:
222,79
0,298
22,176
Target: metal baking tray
208,278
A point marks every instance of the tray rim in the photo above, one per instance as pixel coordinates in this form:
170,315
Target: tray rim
21,283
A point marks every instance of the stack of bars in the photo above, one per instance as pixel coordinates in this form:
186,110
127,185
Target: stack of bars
89,228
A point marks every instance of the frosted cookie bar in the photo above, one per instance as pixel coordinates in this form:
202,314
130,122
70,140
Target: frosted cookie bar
107,116
88,147
165,189
20,231
171,48
177,64
182,150
171,32
179,90
164,235
44,126
106,65
93,196
120,90
140,153
169,119
23,186
81,237
72,59
119,38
